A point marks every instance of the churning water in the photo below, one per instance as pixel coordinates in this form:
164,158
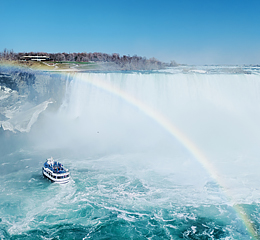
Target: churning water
152,155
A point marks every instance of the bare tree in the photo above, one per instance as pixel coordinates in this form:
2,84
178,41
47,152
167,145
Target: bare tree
125,62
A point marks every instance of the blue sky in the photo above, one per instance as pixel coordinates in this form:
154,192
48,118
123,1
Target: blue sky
187,31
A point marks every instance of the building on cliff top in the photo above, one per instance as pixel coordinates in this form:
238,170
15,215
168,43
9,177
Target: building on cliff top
35,58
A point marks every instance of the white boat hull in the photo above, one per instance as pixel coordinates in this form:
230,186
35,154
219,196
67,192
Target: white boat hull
57,178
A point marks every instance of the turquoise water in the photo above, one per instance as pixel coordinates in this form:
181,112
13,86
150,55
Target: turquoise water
131,179
107,199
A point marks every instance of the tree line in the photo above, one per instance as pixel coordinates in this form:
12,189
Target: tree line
122,62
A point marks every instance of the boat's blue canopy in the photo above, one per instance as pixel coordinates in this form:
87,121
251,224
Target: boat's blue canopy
56,167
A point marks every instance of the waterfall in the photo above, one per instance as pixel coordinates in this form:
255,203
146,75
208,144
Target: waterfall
219,113
215,110
170,152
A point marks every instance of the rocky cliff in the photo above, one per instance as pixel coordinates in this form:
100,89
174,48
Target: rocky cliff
25,94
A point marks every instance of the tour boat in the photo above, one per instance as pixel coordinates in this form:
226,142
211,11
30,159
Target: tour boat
55,171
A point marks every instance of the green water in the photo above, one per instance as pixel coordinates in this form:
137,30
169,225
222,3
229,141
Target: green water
112,197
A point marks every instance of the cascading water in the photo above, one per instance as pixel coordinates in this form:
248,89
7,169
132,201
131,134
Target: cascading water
152,155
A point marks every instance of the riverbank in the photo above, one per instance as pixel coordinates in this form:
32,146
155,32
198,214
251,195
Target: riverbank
54,66
71,66
83,61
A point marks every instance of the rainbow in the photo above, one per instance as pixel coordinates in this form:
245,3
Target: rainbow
177,134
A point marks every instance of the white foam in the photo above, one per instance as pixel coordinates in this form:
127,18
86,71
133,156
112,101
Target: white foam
198,71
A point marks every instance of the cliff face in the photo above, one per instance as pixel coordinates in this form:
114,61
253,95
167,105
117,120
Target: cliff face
24,94
36,86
